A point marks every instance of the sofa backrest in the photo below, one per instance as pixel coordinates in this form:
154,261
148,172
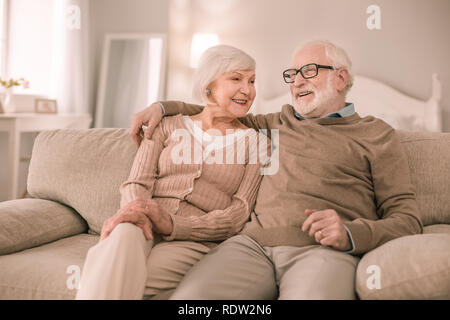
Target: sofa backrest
429,162
84,169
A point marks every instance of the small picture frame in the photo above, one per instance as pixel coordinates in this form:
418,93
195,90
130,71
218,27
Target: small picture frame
45,106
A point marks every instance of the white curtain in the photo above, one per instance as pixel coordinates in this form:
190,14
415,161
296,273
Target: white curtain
70,78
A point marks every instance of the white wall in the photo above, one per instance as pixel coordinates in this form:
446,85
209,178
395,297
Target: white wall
411,45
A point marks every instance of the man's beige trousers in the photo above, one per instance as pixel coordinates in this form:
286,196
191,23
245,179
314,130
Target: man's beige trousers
127,266
239,268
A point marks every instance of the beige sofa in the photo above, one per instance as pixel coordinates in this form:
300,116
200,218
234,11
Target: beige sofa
73,183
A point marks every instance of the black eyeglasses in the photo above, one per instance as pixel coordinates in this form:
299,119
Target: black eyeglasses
307,71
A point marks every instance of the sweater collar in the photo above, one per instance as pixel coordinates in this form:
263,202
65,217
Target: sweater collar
347,111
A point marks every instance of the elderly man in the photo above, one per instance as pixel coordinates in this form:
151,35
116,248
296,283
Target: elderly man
342,189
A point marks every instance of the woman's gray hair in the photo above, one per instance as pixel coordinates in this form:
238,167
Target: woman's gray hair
216,61
337,56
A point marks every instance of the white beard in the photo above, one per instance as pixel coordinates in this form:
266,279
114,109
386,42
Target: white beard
322,100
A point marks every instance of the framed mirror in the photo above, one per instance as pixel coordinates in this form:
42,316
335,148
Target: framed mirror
131,77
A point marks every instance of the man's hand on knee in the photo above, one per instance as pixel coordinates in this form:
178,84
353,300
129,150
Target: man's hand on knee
327,228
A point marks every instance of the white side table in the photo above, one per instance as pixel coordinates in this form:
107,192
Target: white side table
16,123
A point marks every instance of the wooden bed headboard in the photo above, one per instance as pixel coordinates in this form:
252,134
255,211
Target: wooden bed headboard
372,97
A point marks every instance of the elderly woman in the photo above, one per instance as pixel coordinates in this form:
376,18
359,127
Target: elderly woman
191,186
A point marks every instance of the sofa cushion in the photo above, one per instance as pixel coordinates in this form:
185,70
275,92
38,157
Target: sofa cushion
437,228
428,154
82,169
27,223
49,271
410,267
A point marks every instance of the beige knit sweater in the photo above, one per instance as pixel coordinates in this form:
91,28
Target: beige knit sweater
353,165
207,201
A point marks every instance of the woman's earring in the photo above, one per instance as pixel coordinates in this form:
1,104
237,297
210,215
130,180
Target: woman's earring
208,91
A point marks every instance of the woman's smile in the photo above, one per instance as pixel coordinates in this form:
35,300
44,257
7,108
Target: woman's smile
241,102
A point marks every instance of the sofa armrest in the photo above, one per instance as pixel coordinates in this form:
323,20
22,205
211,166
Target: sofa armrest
27,223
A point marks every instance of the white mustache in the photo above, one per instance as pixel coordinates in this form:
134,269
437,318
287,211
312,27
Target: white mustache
305,89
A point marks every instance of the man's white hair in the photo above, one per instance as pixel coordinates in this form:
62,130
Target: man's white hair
216,61
337,56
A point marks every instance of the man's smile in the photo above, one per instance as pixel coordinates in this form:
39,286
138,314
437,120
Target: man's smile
304,93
